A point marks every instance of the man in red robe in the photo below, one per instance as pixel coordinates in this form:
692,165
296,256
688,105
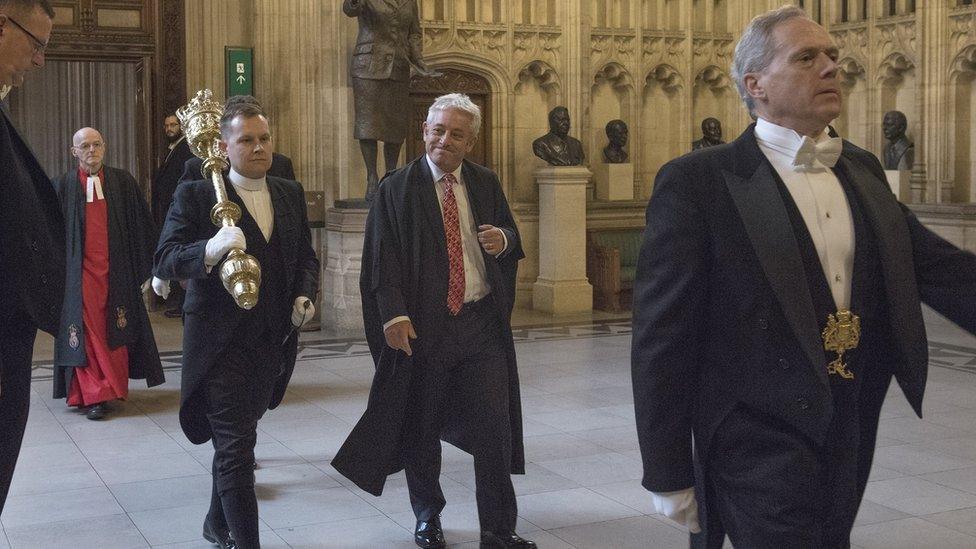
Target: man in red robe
105,336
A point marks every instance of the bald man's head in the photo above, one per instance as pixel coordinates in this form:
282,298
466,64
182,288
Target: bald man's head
88,147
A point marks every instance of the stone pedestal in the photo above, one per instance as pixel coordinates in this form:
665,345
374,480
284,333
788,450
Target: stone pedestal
614,181
562,286
342,309
900,183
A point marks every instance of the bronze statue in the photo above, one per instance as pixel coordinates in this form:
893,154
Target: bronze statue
617,133
711,134
557,148
899,151
388,45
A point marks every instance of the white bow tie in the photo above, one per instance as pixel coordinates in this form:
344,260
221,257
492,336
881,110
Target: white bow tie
826,152
94,189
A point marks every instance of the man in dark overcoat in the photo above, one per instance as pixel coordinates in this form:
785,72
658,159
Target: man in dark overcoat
165,180
778,291
31,233
438,287
105,337
236,362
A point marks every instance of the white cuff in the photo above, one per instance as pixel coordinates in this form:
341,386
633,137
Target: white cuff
394,320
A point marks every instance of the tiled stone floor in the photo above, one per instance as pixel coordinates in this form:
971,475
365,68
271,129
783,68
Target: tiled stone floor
134,480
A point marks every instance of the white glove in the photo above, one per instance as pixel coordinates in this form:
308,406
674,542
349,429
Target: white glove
161,287
679,506
226,239
302,312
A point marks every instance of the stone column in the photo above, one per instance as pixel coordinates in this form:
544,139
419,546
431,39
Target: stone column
931,167
562,286
342,310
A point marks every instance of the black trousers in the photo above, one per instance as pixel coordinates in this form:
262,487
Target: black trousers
768,486
17,333
465,377
238,392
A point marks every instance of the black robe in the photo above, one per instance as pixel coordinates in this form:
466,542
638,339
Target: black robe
405,240
132,238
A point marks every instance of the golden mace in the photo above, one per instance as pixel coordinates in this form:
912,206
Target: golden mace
200,119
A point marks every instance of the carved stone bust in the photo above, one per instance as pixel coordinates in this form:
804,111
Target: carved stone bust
899,151
617,133
557,148
711,134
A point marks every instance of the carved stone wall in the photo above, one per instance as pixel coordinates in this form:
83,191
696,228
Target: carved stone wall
661,65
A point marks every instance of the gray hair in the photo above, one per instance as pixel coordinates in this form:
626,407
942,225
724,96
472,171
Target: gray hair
460,102
756,47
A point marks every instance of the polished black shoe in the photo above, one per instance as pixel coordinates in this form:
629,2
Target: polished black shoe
428,534
97,411
217,536
490,540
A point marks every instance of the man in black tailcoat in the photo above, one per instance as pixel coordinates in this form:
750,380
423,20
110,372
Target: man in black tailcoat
236,362
777,293
31,234
438,287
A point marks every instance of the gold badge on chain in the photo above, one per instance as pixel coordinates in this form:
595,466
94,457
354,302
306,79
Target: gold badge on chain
120,319
843,332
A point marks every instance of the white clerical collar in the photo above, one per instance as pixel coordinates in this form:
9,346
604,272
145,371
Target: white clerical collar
439,173
246,183
783,140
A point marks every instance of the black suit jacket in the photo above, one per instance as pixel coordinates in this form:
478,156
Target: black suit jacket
721,302
166,179
405,272
31,235
281,167
210,314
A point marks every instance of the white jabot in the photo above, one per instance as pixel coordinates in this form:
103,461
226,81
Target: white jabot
257,199
818,195
94,189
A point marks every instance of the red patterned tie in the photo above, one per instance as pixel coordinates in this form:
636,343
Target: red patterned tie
455,254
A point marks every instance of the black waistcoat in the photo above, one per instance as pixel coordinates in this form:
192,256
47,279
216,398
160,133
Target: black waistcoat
268,321
867,287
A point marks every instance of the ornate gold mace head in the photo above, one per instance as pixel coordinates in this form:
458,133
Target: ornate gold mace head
200,119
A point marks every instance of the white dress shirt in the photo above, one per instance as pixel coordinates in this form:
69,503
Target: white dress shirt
819,196
257,199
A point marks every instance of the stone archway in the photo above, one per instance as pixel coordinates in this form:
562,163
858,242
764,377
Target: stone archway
423,91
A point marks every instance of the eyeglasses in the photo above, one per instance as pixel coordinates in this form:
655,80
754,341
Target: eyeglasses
39,46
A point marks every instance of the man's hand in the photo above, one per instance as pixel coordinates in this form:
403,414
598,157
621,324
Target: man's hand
491,238
398,336
302,312
160,287
680,506
226,239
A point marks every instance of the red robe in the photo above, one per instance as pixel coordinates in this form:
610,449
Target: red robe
107,375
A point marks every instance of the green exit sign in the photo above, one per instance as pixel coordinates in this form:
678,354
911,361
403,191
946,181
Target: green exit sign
239,68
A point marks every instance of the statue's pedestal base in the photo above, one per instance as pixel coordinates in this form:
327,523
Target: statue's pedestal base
614,181
562,286
562,296
900,183
342,309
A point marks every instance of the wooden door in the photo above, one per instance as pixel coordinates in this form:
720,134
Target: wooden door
423,91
